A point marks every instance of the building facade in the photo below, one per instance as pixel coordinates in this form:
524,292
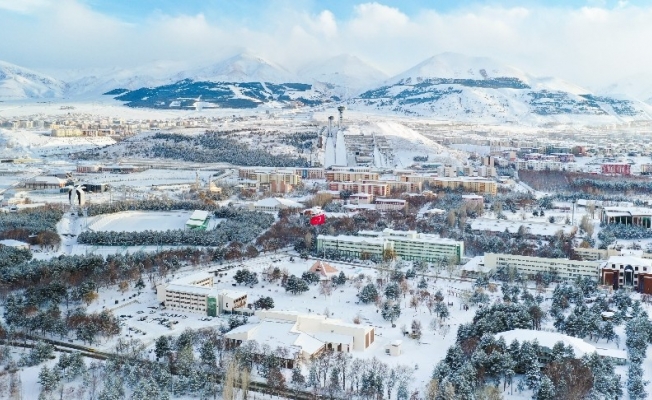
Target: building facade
408,245
197,294
564,268
628,272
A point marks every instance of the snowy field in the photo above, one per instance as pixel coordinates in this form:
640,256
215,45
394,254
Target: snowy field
138,221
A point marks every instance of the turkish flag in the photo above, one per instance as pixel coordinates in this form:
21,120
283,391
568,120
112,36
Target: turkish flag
318,219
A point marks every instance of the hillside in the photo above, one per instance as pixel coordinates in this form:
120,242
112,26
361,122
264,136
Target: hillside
457,87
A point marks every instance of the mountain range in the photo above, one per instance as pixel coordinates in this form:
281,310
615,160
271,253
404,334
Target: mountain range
447,86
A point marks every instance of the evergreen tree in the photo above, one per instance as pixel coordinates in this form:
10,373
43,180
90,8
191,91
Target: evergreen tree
264,303
635,383
207,353
310,277
368,294
296,285
391,311
392,291
545,390
422,283
340,279
162,347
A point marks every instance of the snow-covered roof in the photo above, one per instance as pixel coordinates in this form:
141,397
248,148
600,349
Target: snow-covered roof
330,337
629,260
233,294
192,289
47,180
191,279
277,201
198,215
308,343
323,268
476,264
626,211
548,339
535,227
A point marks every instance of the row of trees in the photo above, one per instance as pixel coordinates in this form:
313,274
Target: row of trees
240,226
214,147
33,225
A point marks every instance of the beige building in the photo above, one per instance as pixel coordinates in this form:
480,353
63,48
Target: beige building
530,266
197,294
66,131
476,185
312,333
350,176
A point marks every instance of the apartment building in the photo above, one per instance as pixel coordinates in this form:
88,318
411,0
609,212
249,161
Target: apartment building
398,186
355,246
409,245
476,185
350,176
530,266
376,189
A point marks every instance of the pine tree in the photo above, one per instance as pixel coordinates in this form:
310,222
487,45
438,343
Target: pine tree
207,353
392,291
402,392
391,311
162,347
545,390
368,294
422,283
635,383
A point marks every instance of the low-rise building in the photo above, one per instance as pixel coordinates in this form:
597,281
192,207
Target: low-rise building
390,204
312,334
197,294
628,272
276,204
198,220
627,216
531,266
45,182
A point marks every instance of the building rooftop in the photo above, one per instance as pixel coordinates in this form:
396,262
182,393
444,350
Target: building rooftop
198,215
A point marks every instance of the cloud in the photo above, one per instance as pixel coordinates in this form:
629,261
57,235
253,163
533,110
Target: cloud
591,45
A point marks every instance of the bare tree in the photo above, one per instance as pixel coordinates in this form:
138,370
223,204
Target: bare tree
326,288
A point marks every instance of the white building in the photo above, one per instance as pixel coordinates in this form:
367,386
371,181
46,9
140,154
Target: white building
390,204
197,294
565,268
409,245
311,333
275,204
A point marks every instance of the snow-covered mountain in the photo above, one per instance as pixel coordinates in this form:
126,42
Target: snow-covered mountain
346,72
21,83
240,68
457,87
100,81
637,87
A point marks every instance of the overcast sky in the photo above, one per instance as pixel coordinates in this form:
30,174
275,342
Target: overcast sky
591,43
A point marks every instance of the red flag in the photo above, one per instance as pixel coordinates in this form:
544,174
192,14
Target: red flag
318,219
